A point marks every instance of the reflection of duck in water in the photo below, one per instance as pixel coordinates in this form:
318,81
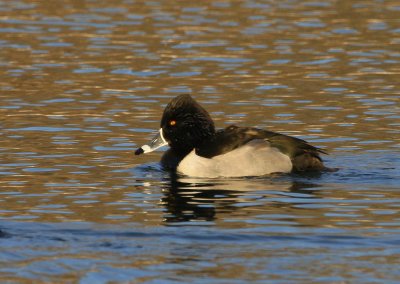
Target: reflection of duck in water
190,199
197,149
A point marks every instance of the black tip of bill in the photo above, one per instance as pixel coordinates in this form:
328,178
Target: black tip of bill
139,151
157,142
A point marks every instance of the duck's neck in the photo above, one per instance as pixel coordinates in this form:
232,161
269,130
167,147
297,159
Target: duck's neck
199,142
205,149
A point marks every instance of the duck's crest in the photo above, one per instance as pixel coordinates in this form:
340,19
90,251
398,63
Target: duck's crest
186,108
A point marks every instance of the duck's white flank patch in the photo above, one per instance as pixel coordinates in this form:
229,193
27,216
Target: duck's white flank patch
253,159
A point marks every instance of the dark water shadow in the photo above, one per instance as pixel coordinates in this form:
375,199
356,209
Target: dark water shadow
191,199
4,234
296,198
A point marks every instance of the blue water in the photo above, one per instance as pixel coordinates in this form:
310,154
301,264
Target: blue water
282,228
84,83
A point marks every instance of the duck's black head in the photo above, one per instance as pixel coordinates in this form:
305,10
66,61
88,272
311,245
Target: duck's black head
185,124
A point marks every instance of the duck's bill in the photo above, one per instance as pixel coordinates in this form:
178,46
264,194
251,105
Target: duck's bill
156,143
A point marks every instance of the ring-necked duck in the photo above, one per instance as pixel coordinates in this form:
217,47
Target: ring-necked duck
197,149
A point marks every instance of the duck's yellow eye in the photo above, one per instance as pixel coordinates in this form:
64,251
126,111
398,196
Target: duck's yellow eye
172,122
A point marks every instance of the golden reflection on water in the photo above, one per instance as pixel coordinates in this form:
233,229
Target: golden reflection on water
83,83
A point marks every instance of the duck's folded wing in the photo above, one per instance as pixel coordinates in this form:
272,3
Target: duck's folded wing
304,156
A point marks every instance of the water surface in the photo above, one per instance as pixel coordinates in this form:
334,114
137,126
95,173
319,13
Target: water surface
84,83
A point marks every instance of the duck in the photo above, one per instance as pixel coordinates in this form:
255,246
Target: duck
198,149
